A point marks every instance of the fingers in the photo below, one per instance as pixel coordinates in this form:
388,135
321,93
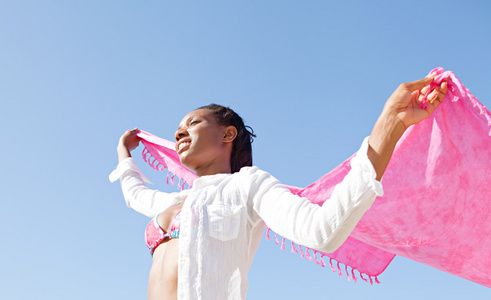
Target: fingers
437,95
419,84
131,132
433,92
425,89
130,135
440,93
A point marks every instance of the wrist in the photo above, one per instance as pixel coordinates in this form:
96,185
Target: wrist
121,146
123,152
385,134
390,125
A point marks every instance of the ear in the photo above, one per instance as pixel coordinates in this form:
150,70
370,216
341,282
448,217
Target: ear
229,134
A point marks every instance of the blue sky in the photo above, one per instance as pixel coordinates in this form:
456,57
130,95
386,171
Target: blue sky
309,76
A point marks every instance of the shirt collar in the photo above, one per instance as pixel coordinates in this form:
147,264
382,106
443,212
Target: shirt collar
209,180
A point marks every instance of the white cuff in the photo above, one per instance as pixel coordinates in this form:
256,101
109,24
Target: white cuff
128,164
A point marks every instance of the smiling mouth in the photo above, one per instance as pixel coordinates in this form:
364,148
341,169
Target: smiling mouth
183,146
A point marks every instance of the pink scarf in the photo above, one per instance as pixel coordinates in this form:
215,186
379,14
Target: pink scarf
436,206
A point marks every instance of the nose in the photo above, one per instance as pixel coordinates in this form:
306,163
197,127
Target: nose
180,133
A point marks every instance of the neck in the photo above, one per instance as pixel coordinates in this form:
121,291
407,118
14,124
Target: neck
214,168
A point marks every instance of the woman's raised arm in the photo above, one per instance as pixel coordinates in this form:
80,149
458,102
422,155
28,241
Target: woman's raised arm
401,110
136,194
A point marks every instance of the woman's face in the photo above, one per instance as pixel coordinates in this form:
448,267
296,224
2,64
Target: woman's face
199,140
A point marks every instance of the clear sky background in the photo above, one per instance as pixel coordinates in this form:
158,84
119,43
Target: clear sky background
310,77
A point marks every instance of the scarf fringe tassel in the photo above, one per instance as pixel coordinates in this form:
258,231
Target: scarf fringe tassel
335,265
156,165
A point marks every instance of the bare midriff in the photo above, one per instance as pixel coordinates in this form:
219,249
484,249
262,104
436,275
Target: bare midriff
162,282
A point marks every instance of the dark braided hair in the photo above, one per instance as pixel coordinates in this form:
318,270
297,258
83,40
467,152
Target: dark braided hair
241,155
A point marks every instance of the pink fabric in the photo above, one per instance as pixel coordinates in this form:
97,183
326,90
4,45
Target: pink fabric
435,208
161,154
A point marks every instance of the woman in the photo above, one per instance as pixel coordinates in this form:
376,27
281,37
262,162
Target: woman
221,218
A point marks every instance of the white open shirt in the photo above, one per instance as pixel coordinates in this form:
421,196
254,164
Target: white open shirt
223,217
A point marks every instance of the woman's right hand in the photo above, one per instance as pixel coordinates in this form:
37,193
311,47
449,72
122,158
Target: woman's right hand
127,143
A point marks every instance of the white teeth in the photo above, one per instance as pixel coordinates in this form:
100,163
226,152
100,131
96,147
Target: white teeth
182,145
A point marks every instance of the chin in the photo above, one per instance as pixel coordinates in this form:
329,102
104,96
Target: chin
188,163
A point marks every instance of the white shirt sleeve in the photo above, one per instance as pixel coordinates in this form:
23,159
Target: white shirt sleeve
324,227
137,195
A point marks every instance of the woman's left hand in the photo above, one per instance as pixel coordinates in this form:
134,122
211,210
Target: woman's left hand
405,102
